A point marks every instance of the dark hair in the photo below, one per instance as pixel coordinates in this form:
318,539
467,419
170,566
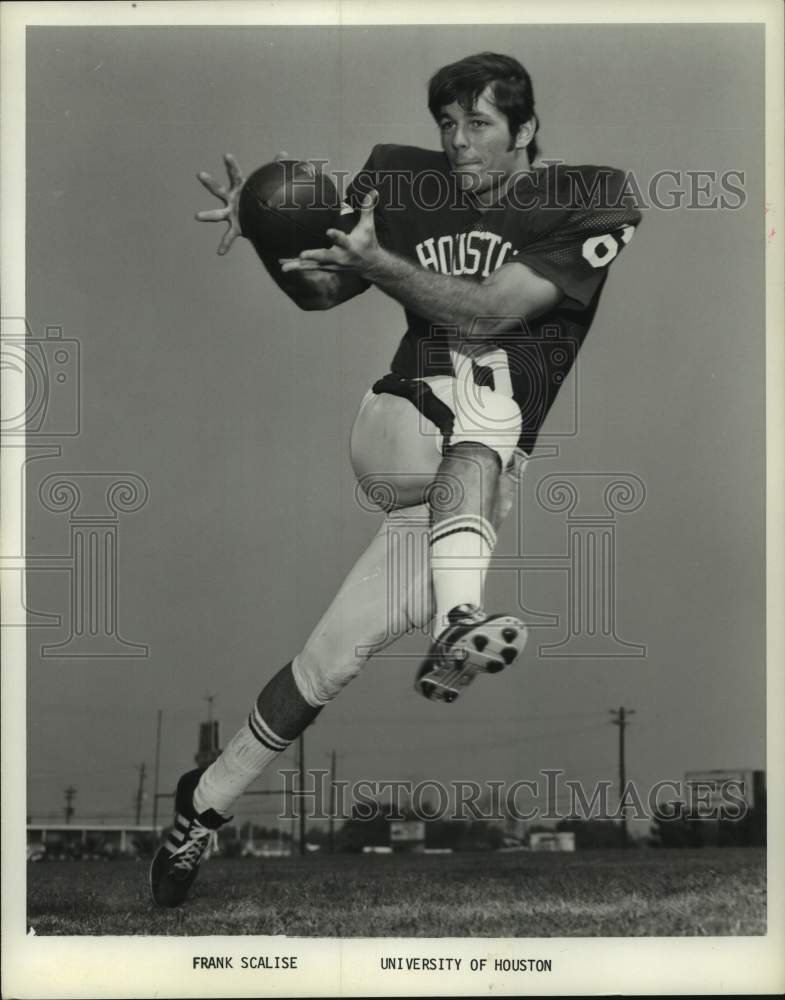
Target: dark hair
465,80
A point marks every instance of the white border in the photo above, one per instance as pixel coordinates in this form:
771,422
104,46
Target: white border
160,966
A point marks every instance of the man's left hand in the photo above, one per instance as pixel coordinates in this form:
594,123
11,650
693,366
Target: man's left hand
357,251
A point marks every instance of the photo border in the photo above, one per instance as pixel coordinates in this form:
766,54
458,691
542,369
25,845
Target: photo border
138,966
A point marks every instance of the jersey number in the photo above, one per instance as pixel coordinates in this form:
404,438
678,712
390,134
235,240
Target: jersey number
496,359
599,251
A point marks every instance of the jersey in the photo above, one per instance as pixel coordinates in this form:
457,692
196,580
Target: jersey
567,223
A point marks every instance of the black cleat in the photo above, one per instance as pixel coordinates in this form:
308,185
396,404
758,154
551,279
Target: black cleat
176,864
472,643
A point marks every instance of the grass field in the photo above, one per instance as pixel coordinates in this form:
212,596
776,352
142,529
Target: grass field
587,894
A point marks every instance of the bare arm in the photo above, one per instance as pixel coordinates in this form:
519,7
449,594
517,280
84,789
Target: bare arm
513,292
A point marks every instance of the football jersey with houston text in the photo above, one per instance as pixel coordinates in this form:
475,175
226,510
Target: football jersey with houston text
567,223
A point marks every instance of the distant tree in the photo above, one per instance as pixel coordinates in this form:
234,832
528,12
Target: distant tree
483,835
230,843
144,844
445,833
464,835
318,835
358,833
592,833
672,827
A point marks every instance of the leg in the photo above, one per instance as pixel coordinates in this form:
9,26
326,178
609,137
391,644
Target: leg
364,617
435,439
481,445
468,641
462,533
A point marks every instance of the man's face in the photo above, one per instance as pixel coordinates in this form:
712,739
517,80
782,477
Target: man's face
477,144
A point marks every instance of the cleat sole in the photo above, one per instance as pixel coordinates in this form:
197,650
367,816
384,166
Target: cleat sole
488,648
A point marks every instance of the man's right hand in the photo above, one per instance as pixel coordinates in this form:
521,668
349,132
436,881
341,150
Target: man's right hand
230,197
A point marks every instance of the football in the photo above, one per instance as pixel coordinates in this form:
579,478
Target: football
286,207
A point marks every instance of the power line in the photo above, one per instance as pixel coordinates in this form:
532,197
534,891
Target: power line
431,723
511,741
58,775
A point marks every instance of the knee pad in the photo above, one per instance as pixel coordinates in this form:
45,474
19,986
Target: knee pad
319,680
395,453
328,662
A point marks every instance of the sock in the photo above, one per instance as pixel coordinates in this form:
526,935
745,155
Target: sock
461,549
242,760
279,716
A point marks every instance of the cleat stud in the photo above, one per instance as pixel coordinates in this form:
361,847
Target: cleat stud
495,666
509,634
508,655
450,696
480,642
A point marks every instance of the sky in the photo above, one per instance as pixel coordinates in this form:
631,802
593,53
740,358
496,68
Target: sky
200,378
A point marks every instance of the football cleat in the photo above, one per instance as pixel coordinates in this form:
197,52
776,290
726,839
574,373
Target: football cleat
176,864
472,643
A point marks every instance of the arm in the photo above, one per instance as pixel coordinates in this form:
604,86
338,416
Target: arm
512,292
314,290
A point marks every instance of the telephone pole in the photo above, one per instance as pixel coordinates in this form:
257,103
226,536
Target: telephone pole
332,802
620,719
301,768
70,795
140,794
157,771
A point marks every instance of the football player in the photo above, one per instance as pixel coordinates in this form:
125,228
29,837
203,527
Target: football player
498,263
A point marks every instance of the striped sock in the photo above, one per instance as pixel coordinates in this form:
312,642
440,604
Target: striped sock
461,549
243,759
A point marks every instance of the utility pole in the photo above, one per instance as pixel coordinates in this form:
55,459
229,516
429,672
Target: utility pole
70,795
209,749
301,768
332,802
620,719
140,793
157,770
